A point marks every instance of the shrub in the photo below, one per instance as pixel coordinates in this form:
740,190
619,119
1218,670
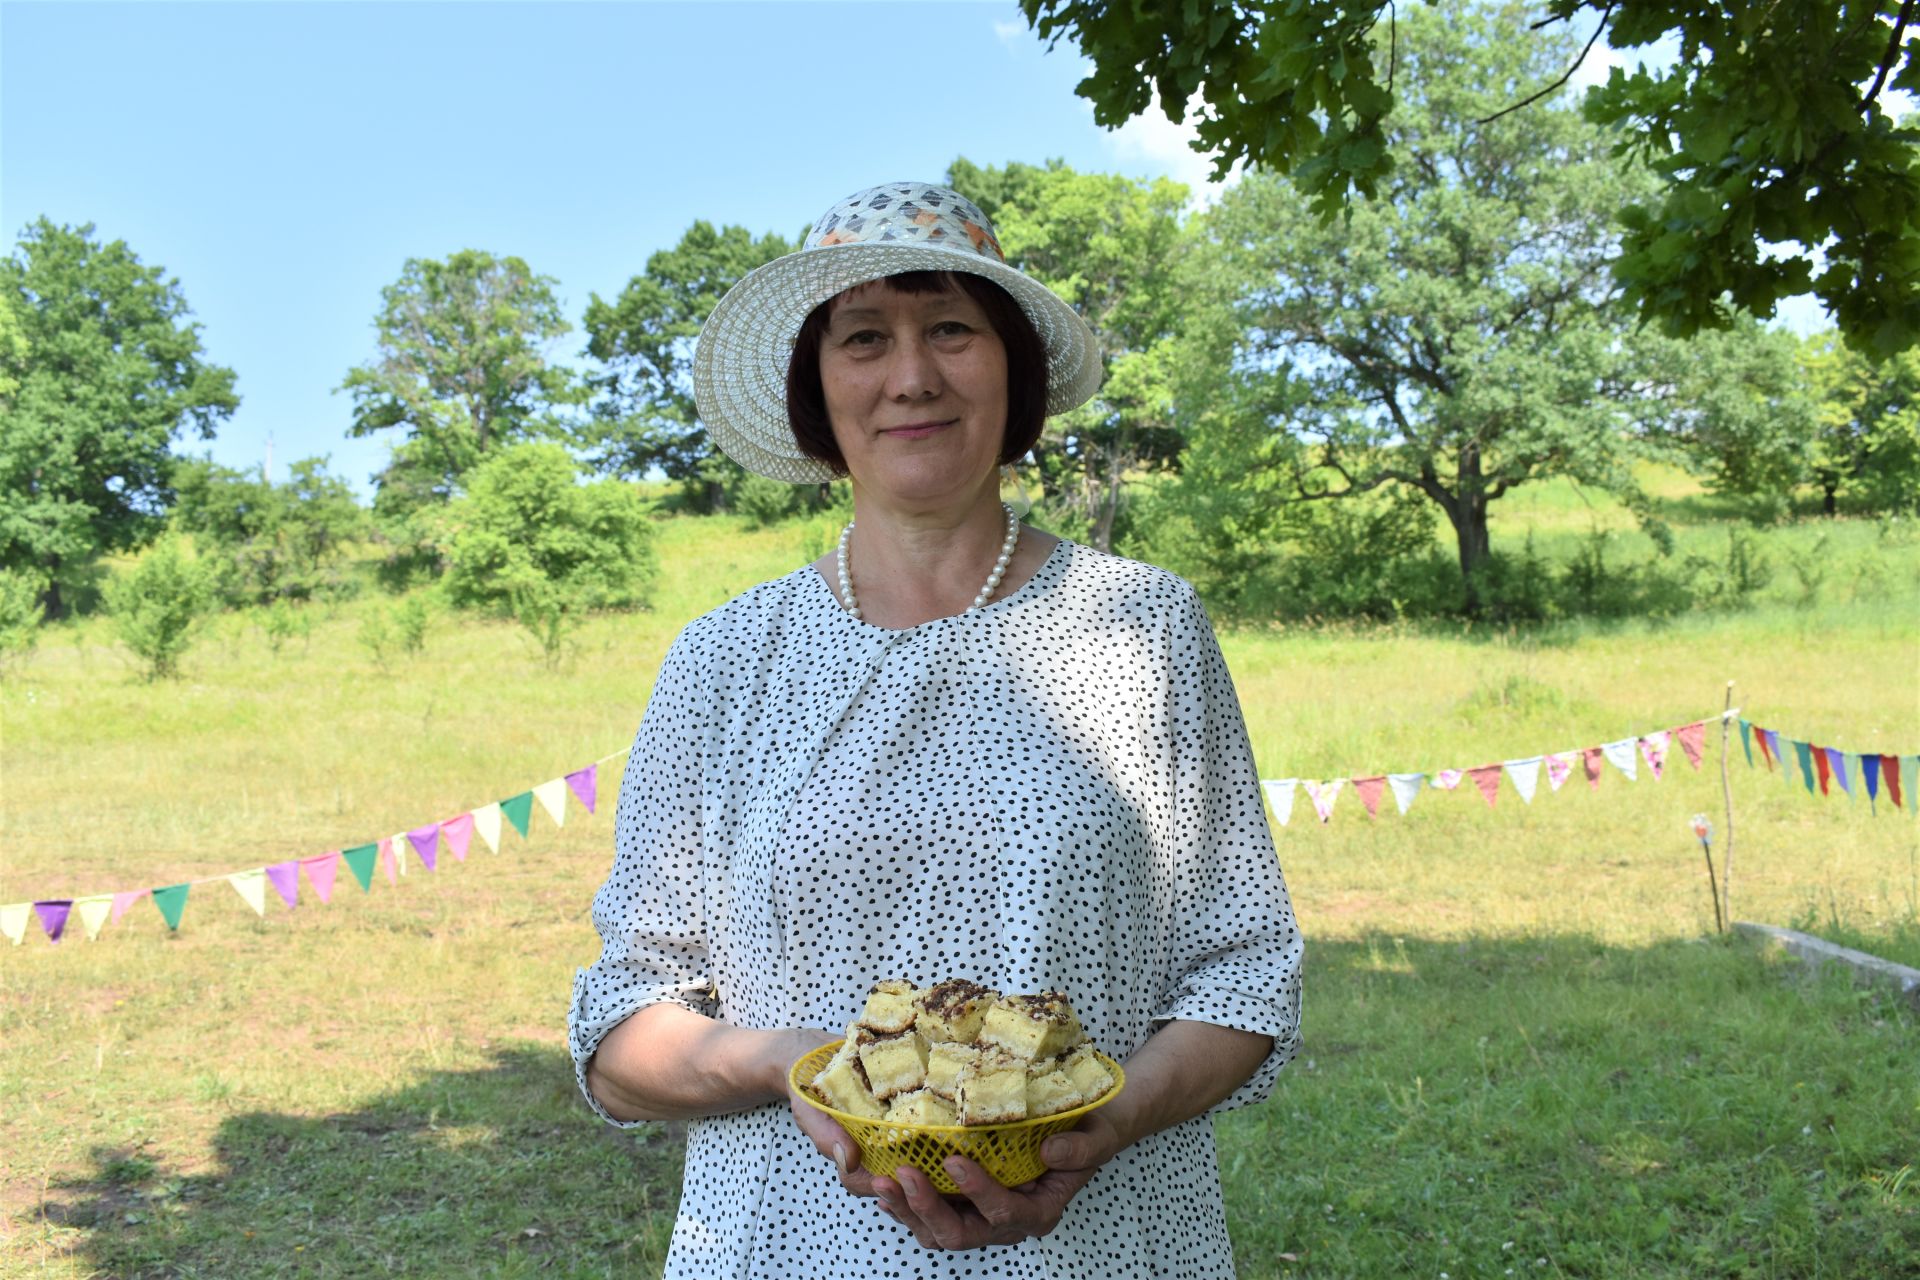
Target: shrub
528,528
410,620
21,611
281,621
160,604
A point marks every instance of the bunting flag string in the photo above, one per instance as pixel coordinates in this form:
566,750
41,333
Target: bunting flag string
1822,768
96,911
1523,773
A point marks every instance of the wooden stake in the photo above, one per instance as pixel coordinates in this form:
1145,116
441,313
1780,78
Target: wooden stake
1726,791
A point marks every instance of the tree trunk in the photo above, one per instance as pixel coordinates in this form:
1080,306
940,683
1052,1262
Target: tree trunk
1109,504
1829,487
1468,512
56,608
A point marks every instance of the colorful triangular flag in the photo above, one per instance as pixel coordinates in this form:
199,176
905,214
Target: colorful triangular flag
1870,778
1323,794
13,921
1448,779
1487,779
1279,795
171,902
1559,769
252,888
1590,761
285,879
1406,786
1746,740
360,860
1804,754
519,810
1654,747
1693,741
426,842
1620,756
1822,765
1525,776
552,796
584,783
123,900
321,869
390,862
458,833
53,916
1369,790
93,912
1890,770
486,820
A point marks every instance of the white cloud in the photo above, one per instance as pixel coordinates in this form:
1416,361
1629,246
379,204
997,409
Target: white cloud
1166,149
1012,33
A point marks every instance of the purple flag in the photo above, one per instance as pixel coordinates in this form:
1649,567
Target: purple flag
285,878
53,916
425,841
1837,760
582,782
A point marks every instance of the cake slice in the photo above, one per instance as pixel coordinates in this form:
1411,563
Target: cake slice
921,1106
952,1011
1050,1091
945,1061
1032,1027
890,1005
992,1090
894,1063
1087,1072
842,1084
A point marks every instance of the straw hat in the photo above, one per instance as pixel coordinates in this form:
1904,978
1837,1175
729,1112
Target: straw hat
740,364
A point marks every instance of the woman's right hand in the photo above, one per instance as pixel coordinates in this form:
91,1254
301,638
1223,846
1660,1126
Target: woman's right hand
826,1133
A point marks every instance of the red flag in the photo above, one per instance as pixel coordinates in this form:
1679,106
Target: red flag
1890,776
1760,736
1591,758
1821,767
1487,778
1692,738
1370,790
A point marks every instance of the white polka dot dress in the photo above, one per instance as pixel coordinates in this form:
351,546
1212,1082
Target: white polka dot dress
1053,792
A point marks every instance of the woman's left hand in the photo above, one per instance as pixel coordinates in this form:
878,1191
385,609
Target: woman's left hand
986,1213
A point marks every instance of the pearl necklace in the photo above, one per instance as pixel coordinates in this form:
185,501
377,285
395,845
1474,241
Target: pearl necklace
979,601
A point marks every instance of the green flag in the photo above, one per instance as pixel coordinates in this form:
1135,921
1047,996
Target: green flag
1746,740
359,860
171,900
518,810
1805,754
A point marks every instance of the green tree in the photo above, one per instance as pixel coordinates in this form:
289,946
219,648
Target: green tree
105,371
274,541
159,604
1866,440
529,541
643,414
1456,336
1113,247
462,370
1770,128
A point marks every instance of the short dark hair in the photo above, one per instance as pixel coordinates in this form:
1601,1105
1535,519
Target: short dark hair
1026,366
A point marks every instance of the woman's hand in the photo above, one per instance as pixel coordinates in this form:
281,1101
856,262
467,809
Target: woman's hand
987,1213
828,1138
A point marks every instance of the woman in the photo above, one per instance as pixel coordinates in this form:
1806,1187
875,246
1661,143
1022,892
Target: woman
953,748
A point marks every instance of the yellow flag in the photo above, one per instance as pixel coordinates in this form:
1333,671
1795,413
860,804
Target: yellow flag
13,921
252,888
486,820
93,913
553,798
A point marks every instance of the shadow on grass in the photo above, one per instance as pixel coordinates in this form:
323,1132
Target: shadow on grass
498,1171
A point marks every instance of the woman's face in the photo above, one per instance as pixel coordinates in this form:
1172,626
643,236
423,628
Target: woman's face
915,386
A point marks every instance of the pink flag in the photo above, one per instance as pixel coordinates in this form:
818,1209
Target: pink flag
1487,778
459,834
1591,758
124,899
1448,779
320,873
285,879
1323,794
1559,768
426,842
1693,737
1654,748
387,861
582,781
1370,790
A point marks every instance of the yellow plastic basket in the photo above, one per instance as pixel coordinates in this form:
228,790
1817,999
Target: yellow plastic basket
1010,1152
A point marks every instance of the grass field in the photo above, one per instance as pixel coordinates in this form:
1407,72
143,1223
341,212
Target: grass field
1525,1052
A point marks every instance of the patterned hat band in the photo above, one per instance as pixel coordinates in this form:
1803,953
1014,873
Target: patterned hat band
740,364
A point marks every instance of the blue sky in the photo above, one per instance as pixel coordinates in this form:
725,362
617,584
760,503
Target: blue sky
283,160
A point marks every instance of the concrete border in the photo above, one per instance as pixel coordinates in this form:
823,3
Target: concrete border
1872,970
